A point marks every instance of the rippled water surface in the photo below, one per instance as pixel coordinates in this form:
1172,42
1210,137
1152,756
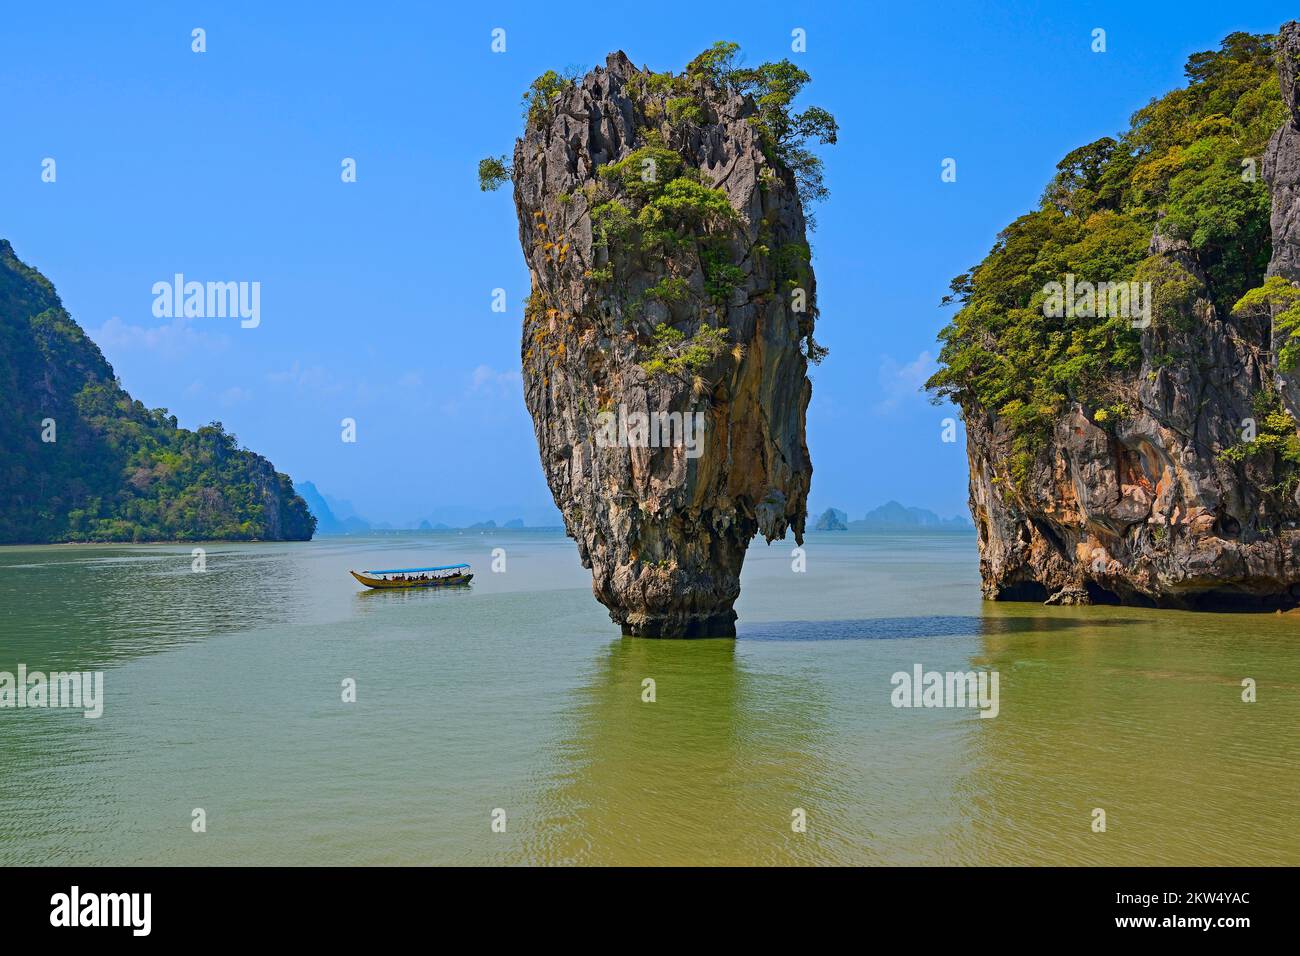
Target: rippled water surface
223,692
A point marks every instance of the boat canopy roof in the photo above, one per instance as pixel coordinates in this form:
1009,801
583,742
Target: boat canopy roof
444,567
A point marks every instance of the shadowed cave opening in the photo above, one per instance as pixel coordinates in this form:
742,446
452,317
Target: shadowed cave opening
1220,600
1023,591
1100,595
1229,600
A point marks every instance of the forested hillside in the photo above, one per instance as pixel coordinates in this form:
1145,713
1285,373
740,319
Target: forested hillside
80,460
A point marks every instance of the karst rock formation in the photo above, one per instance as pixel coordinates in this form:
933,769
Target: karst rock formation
1147,511
664,529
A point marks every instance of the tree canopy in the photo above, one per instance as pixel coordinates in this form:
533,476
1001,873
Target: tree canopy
1185,164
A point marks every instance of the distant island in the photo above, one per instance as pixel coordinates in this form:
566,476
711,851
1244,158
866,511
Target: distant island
891,516
339,516
832,519
84,461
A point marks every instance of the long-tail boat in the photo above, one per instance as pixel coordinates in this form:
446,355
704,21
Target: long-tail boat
447,575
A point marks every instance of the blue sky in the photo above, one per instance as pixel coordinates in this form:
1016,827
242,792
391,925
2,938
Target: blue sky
376,295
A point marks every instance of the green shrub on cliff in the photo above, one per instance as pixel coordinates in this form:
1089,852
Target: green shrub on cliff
1184,163
1280,300
684,109
721,275
493,172
544,92
645,172
669,289
1275,434
611,221
669,201
693,206
674,354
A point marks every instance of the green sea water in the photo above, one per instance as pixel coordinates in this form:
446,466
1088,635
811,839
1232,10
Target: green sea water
223,691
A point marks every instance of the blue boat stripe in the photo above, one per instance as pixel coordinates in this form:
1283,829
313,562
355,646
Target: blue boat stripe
445,567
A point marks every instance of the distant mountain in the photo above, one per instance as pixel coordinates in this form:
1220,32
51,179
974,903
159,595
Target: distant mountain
343,509
339,516
327,522
832,519
893,516
81,460
317,506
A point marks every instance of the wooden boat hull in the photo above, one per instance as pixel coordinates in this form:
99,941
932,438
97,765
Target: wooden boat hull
380,584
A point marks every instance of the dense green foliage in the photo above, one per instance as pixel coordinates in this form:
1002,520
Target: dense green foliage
1180,164
116,470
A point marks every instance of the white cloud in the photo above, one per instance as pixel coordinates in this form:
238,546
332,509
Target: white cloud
179,337
313,381
903,383
235,395
489,380
488,390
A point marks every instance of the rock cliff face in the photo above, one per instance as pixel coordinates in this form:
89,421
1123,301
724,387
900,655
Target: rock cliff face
1146,510
650,296
1282,160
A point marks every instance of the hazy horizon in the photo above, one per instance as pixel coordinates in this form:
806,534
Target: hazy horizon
457,515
